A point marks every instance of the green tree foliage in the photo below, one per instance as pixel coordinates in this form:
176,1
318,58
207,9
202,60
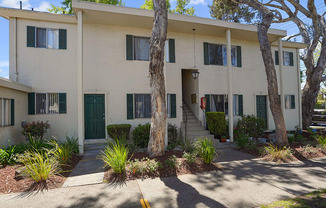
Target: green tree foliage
229,11
179,9
67,5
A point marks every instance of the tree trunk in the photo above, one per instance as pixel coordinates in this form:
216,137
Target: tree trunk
265,48
157,80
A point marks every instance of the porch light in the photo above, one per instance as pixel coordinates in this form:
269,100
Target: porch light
195,74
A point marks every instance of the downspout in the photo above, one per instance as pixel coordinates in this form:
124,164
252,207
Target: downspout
299,89
229,81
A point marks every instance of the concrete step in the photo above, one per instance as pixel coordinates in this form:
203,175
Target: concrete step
198,133
193,124
90,147
189,117
192,128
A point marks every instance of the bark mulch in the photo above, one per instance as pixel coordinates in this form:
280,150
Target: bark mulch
165,171
11,182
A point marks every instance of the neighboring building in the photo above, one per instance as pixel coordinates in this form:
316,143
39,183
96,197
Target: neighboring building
90,70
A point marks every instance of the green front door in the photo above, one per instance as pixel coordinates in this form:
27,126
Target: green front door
94,117
261,106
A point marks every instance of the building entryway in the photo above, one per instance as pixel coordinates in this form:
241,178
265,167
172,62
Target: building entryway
94,116
261,107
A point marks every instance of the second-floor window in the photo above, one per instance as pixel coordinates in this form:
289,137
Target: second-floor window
46,38
287,58
141,48
216,54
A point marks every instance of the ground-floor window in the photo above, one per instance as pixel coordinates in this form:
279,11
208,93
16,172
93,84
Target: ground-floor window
6,112
47,103
219,103
143,106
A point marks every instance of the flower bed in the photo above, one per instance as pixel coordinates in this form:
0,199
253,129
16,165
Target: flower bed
177,166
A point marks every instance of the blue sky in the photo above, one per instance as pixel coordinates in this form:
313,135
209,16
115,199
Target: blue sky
201,7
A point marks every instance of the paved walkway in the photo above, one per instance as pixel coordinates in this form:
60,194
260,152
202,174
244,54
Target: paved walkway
246,182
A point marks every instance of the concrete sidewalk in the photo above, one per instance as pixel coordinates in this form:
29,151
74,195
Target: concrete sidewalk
246,182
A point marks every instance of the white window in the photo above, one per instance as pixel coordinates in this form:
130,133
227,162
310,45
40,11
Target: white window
5,112
286,58
289,101
40,37
218,55
47,103
53,38
47,38
141,48
143,106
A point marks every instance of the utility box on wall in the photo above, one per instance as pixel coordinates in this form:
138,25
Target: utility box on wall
194,98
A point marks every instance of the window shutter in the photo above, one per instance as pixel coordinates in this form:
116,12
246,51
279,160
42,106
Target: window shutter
206,54
171,51
62,39
292,101
30,36
130,106
62,103
276,58
291,59
173,105
208,103
240,97
31,103
239,58
12,112
129,48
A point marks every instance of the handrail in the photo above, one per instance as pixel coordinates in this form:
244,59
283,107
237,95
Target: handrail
184,139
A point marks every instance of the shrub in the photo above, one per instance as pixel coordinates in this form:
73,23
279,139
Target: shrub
36,129
190,157
144,165
321,139
216,123
116,130
172,162
62,152
36,144
251,125
72,142
188,146
39,166
300,138
8,156
291,139
242,140
206,150
115,156
140,135
273,153
136,167
152,165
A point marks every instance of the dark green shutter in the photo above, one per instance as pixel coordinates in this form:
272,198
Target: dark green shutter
31,103
62,103
130,106
129,47
208,103
173,101
240,97
30,36
239,58
292,102
62,39
276,58
12,112
291,59
206,54
171,51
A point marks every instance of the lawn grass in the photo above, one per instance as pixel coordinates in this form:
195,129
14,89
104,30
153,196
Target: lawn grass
314,199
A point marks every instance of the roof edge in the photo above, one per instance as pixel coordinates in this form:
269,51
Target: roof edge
14,85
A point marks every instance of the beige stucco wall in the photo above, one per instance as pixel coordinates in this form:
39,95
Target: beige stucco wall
106,71
50,70
12,134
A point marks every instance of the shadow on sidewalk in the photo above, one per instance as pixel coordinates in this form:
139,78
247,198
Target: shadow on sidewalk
188,196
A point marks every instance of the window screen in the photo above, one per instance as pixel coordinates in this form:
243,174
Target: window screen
141,48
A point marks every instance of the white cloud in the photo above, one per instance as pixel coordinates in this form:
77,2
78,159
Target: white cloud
15,4
196,2
4,63
43,7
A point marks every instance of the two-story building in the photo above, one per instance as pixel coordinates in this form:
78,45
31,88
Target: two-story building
88,70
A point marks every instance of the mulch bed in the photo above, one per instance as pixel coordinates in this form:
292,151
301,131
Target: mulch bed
184,168
11,182
299,152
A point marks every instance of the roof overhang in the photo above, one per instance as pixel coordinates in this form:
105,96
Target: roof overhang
289,44
140,18
14,85
33,15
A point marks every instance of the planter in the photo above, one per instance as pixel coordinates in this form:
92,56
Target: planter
223,139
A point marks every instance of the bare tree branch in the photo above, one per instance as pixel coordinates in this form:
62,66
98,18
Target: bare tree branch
292,36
